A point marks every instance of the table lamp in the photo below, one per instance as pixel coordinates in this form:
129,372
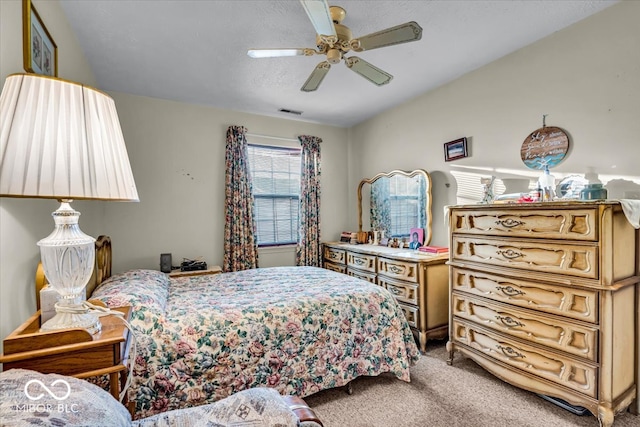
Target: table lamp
62,140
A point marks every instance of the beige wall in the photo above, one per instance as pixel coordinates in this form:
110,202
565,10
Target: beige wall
23,222
585,77
177,154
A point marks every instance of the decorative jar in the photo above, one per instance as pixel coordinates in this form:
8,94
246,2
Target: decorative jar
593,192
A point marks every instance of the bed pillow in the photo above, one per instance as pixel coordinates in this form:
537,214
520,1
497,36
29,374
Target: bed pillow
138,288
29,398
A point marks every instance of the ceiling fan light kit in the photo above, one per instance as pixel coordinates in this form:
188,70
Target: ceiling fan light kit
334,40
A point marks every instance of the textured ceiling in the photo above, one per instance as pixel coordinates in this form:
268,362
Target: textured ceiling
196,51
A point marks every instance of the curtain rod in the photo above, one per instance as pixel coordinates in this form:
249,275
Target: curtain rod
272,137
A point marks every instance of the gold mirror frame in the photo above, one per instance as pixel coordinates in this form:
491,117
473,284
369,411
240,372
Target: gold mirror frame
421,172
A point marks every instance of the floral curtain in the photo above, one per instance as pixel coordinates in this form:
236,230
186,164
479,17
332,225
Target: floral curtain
422,200
240,244
380,206
308,249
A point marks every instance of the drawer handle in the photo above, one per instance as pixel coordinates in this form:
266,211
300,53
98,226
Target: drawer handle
508,321
358,261
509,290
509,223
395,291
511,353
333,256
395,269
510,254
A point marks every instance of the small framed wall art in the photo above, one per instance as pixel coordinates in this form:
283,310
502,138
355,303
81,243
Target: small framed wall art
40,51
455,149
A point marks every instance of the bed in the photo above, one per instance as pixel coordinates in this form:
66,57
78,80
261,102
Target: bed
296,329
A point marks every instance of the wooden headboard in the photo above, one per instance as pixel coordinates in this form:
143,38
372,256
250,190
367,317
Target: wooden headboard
101,271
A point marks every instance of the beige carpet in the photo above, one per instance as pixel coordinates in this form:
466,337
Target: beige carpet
441,395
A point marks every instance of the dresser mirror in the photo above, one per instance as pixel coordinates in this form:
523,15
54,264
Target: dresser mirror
395,202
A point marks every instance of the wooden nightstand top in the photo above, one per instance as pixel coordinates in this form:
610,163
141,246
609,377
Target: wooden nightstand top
71,351
213,270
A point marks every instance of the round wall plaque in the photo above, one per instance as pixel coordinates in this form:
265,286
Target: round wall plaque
546,146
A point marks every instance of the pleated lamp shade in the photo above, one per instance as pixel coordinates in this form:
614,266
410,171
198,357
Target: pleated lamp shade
61,140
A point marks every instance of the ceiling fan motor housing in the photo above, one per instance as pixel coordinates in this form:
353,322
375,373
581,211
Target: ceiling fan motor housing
337,14
344,34
334,56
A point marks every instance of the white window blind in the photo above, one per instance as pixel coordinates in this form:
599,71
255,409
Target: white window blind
403,208
275,175
470,188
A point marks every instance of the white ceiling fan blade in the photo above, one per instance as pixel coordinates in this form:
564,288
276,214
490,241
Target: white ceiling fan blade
316,77
273,53
370,72
403,33
320,17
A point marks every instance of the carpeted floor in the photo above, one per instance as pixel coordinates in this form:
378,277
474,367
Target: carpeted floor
439,395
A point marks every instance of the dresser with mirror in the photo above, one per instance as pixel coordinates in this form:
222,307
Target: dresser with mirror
392,204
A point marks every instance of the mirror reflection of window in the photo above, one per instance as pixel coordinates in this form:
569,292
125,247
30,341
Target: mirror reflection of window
571,186
568,185
407,204
397,204
470,189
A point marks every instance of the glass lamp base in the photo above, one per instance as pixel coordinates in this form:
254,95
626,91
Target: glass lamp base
62,320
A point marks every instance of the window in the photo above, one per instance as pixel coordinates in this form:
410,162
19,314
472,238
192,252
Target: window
404,206
275,175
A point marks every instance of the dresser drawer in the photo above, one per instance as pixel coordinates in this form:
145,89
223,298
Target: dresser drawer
334,255
550,257
412,314
403,291
574,303
574,339
395,269
561,370
364,275
575,224
340,268
361,261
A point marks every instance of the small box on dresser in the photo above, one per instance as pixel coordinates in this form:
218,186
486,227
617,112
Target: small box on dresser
545,296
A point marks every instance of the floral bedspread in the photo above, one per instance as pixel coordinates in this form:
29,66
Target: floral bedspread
296,329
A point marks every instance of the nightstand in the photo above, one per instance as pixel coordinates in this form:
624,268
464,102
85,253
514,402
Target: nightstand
212,270
72,352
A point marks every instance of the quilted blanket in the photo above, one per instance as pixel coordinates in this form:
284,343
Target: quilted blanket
29,398
296,329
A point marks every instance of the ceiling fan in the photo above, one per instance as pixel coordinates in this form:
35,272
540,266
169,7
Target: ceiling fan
335,40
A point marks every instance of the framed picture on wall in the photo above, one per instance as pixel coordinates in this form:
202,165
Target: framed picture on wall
40,52
455,149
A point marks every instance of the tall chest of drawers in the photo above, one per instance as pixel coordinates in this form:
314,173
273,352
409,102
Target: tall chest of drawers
545,296
419,282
